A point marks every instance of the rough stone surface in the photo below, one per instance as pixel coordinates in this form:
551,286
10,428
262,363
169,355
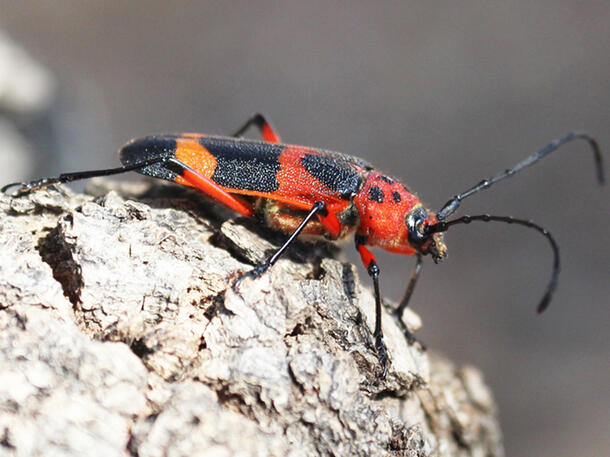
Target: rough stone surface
120,335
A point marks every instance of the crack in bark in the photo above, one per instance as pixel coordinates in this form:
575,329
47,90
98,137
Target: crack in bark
54,252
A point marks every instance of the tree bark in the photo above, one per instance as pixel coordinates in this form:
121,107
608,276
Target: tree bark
120,335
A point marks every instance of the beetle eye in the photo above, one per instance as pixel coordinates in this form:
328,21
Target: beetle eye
415,226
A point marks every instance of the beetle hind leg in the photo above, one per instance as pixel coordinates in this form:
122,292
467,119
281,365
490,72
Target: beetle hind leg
25,187
265,127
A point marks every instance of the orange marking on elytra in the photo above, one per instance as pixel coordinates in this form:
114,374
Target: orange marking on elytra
193,154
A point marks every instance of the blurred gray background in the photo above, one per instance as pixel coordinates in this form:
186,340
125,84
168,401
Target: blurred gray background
440,94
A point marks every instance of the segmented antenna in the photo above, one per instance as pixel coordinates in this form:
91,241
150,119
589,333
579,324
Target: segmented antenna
452,205
443,226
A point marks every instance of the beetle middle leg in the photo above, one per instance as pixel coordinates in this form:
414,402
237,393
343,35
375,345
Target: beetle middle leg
318,207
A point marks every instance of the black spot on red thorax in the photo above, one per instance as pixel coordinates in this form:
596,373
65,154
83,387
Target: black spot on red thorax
247,165
335,174
376,194
387,179
396,196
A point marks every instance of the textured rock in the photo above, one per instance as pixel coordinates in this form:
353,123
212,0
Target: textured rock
120,335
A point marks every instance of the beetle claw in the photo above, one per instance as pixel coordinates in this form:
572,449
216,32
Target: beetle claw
382,354
255,273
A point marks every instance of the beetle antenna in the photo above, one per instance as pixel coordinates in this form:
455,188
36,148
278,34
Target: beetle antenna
443,226
452,205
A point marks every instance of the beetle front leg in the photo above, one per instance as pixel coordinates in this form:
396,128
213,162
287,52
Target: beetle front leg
372,268
399,311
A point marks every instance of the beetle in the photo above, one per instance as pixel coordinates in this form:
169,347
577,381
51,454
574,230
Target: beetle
304,190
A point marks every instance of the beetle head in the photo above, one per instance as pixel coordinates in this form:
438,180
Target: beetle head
418,221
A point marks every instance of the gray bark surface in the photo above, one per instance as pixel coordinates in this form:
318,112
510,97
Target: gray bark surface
120,335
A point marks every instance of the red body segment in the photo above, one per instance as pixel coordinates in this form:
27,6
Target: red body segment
372,205
382,204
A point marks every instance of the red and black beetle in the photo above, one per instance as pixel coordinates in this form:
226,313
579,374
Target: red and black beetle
304,190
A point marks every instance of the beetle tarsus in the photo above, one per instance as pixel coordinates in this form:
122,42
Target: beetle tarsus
26,187
408,334
382,354
5,189
255,273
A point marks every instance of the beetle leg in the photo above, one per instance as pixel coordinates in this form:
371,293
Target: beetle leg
372,268
260,269
264,126
25,187
330,221
209,187
399,311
